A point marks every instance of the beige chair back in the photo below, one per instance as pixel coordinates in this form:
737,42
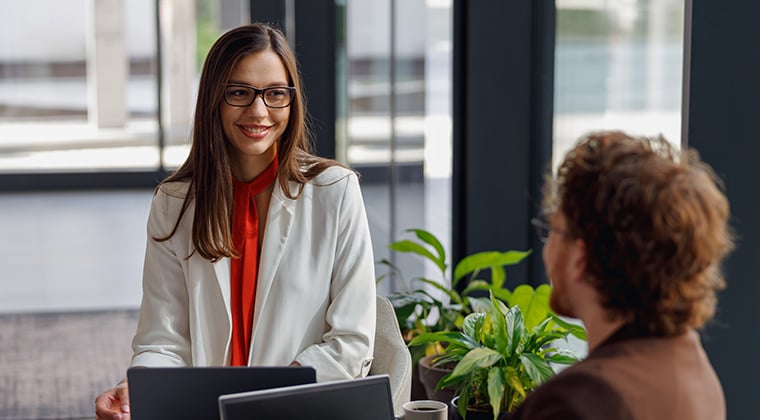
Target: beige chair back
391,355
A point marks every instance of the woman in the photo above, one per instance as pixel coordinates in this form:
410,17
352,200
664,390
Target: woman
259,252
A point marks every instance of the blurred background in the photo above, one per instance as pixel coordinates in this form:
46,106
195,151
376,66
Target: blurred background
108,86
437,103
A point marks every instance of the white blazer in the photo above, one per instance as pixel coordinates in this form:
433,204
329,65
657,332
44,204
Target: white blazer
315,293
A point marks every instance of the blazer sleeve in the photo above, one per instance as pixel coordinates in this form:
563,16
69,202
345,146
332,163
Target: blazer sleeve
162,337
346,350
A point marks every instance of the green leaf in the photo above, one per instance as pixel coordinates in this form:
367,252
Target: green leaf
385,261
536,368
513,257
475,285
502,294
487,259
451,293
472,324
496,388
408,306
464,399
499,333
498,275
574,329
477,358
401,299
392,272
480,304
443,336
541,327
561,356
452,355
547,338
512,378
515,329
408,246
418,352
534,303
431,240
522,295
502,307
473,262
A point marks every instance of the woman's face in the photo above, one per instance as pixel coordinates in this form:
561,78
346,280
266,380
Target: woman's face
253,131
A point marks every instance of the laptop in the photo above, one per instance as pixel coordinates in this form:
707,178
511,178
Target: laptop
364,398
193,392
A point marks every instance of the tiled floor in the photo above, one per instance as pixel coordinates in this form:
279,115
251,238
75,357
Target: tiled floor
53,365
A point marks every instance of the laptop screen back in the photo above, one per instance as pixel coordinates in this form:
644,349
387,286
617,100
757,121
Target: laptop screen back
366,398
193,392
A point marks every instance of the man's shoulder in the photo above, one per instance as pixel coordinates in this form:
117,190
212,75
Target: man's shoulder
616,378
587,374
578,393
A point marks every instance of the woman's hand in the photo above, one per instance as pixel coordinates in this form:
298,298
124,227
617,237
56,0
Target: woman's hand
114,403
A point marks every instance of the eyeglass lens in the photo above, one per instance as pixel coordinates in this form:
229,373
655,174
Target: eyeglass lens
274,97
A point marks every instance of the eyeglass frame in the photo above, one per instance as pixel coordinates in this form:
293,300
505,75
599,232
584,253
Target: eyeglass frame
544,228
259,92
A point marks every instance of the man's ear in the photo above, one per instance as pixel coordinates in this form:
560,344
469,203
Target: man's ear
578,259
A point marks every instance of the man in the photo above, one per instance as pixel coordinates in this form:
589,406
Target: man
636,235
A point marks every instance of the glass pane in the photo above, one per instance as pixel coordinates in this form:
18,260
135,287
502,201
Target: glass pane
188,31
367,114
618,66
396,106
85,97
77,86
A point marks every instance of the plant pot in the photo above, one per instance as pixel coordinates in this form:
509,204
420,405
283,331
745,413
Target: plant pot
418,390
471,414
429,377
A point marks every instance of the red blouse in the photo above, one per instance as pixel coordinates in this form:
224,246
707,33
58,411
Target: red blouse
244,270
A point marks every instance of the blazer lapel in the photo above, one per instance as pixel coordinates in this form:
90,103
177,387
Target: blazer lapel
222,271
279,221
203,275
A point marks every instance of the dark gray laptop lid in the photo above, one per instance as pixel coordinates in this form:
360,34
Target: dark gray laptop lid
365,398
193,392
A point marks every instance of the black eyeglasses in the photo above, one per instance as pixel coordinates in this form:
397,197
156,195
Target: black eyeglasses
243,95
544,228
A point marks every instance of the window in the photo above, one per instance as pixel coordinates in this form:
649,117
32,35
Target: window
618,66
78,86
394,124
79,81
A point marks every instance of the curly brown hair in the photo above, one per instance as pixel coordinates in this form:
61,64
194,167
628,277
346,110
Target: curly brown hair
655,223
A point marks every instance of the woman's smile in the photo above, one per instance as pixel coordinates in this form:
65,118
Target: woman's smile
255,131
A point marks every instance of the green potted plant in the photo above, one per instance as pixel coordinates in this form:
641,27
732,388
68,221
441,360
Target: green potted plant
505,352
420,312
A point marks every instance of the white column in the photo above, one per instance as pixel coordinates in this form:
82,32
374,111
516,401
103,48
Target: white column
106,64
178,67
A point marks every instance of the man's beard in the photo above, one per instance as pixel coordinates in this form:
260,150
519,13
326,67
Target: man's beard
559,301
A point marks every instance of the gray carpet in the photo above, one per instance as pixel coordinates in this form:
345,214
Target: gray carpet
53,365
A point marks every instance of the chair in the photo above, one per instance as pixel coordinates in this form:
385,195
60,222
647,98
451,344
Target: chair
391,355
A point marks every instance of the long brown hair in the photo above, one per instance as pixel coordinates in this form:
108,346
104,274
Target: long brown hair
207,168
